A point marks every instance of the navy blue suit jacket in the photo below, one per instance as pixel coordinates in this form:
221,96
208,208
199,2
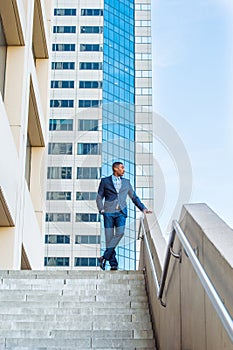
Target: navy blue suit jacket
108,199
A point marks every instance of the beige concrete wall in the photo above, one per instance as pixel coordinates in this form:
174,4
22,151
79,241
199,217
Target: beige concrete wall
189,321
23,116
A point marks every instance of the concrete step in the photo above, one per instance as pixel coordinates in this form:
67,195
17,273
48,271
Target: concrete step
134,317
84,297
105,323
73,304
55,274
77,334
90,343
84,310
69,285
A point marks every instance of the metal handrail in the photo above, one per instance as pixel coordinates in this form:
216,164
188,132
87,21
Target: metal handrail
216,301
154,274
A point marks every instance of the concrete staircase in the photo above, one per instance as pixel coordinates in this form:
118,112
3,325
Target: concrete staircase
66,310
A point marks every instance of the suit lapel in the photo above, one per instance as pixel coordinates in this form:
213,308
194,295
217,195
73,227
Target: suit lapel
111,183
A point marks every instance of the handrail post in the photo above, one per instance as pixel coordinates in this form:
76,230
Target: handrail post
166,265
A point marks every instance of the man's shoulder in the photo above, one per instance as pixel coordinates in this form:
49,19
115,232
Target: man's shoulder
125,181
106,179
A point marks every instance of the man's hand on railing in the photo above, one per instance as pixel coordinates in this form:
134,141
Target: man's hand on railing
147,211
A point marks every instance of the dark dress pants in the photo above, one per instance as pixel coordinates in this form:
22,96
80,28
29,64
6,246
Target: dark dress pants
114,226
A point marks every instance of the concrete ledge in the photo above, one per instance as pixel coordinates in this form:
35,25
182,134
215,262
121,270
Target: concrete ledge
215,229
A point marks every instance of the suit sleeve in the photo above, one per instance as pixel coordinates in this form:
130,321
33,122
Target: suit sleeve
135,199
100,196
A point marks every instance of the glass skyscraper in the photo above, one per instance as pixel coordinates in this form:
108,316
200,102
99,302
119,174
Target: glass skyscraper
100,113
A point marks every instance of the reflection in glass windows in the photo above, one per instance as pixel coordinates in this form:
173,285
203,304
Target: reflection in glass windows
91,65
64,47
88,148
63,173
89,103
88,125
85,239
85,262
91,29
61,103
64,29
86,196
64,12
62,84
56,196
87,47
118,118
60,124
91,12
56,261
88,173
87,217
63,65
90,84
57,217
57,239
60,148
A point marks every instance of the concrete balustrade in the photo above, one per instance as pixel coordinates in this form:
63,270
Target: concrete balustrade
189,320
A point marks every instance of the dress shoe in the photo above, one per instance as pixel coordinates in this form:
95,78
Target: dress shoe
114,268
102,262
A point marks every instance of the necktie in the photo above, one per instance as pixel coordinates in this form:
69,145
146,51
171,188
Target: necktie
118,184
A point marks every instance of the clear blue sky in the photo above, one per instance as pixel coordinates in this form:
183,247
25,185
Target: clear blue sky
193,90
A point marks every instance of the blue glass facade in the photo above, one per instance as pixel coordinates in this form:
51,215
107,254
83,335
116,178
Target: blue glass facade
118,140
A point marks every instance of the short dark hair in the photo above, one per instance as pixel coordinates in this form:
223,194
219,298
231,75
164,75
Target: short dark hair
116,165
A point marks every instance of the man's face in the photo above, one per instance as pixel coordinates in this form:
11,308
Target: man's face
120,170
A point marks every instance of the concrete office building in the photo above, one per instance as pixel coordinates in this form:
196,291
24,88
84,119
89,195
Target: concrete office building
24,111
100,112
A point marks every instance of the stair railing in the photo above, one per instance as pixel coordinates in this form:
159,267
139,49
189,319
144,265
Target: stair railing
216,301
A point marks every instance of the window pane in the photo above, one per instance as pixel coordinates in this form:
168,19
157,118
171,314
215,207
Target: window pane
88,173
61,124
91,29
63,47
85,262
88,148
62,84
64,29
86,196
91,12
63,65
64,12
84,239
61,103
87,217
57,217
88,124
60,148
89,103
91,65
90,84
88,47
58,196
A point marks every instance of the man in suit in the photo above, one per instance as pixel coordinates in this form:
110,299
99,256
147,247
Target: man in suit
114,190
